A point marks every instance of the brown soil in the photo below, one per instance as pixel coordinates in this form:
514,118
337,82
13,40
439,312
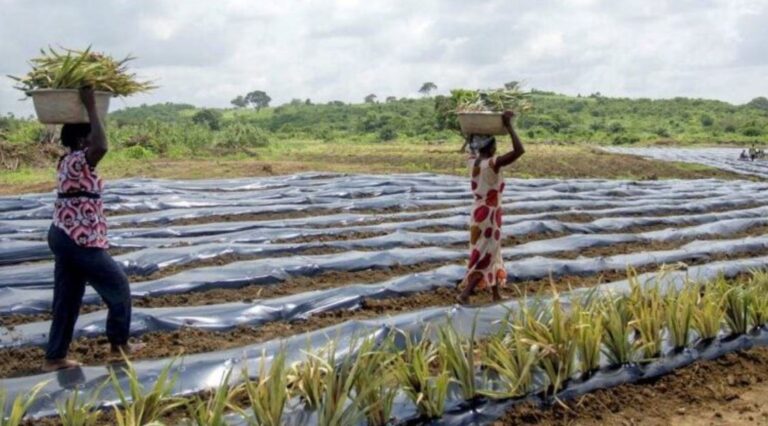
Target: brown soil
10,321
291,215
353,235
731,390
291,286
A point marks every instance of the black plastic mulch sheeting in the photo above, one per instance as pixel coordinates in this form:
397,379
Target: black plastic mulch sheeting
229,315
203,371
535,199
271,271
721,158
150,260
547,197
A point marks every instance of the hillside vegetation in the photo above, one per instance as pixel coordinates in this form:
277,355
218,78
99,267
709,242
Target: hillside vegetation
403,135
169,130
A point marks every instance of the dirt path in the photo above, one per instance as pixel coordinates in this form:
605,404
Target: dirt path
731,390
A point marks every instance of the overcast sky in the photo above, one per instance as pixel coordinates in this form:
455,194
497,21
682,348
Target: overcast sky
207,52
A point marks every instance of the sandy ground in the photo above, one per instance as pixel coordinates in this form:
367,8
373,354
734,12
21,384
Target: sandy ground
732,390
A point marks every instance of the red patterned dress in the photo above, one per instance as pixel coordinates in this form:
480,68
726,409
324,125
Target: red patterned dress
79,210
485,262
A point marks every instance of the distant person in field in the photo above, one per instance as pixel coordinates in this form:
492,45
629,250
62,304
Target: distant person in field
486,266
78,239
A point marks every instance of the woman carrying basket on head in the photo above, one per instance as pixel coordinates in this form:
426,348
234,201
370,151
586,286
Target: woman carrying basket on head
486,266
78,240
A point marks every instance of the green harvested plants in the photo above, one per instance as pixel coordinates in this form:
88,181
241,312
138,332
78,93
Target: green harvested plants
72,69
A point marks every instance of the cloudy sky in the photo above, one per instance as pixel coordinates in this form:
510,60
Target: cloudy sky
206,52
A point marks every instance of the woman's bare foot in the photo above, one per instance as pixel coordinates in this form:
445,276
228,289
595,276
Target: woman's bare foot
59,364
462,299
127,349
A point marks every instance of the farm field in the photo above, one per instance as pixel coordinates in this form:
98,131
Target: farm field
225,270
300,156
720,158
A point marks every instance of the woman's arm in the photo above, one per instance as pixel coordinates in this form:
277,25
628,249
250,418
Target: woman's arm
517,145
97,142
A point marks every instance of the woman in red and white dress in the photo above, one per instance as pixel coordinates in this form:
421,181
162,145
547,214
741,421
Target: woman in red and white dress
486,266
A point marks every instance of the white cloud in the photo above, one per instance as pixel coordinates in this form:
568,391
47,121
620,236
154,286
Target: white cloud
205,52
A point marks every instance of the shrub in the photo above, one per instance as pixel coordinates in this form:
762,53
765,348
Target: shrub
616,127
208,117
387,134
240,135
625,140
138,153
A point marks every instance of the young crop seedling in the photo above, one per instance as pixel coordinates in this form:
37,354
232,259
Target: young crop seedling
551,334
618,344
648,309
459,355
414,373
513,361
269,393
588,333
679,305
375,383
78,411
737,309
708,313
306,379
211,411
338,404
19,406
140,407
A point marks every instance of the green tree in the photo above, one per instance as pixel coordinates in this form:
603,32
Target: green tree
760,103
208,117
512,85
427,88
239,102
258,99
370,99
391,99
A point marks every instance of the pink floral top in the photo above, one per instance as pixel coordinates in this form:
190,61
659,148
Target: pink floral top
79,210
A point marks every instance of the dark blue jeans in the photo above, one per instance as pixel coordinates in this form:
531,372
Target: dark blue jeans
74,267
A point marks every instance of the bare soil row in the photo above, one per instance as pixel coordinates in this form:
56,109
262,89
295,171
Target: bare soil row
731,390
